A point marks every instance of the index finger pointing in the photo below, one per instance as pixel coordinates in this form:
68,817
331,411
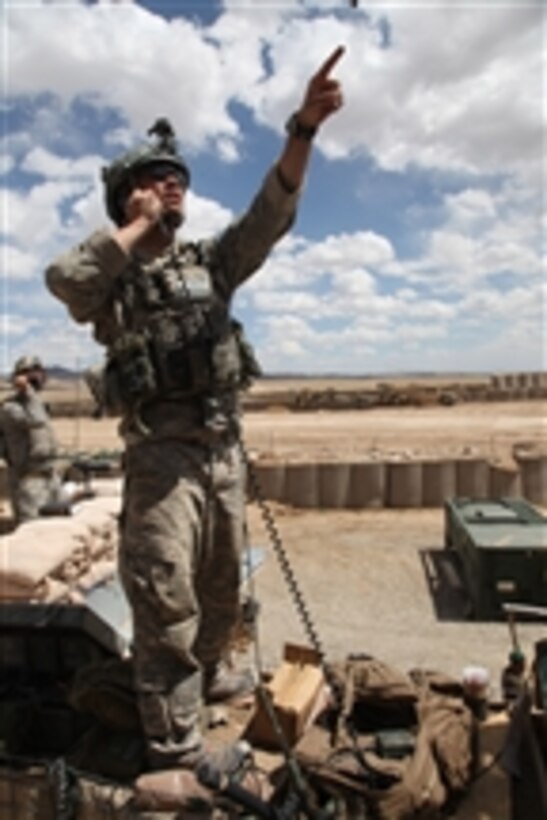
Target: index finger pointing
330,62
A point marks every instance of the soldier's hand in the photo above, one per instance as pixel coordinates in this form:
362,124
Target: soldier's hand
143,203
323,95
21,383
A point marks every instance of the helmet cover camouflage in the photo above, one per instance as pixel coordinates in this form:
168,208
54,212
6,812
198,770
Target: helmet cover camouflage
119,176
26,363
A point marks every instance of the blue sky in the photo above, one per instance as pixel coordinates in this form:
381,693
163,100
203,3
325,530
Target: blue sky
418,243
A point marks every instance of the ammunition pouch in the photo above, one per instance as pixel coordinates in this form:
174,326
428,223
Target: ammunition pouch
249,368
129,375
139,369
183,368
234,364
207,365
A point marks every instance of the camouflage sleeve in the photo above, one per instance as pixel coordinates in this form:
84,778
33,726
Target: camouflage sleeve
244,246
25,414
83,278
13,415
35,411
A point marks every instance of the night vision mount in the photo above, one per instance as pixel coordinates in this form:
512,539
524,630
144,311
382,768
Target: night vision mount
165,135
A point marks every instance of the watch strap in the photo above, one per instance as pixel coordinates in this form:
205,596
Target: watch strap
297,129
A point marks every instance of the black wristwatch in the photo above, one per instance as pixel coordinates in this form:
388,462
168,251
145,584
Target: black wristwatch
295,128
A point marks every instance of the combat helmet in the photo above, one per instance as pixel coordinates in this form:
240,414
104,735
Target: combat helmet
118,177
26,363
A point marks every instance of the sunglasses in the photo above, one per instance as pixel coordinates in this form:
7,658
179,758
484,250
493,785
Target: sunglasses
159,172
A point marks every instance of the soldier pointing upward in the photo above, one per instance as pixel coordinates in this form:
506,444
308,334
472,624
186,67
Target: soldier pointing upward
176,362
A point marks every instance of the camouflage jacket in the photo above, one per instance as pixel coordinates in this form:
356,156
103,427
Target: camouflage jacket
27,441
178,302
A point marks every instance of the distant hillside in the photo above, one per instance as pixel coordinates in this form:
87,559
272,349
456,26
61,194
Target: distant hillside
62,373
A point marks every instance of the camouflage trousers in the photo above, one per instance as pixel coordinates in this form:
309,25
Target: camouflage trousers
181,539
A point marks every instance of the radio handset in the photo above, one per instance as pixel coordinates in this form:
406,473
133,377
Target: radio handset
169,221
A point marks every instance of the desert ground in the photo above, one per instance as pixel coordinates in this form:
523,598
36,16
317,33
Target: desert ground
488,429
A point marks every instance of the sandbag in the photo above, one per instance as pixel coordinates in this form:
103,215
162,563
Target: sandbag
173,789
36,549
100,799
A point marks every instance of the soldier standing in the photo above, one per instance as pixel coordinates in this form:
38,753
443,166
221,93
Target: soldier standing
27,441
176,362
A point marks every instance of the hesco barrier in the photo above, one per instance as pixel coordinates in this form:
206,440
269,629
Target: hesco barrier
504,482
404,484
302,485
438,482
367,485
334,485
533,470
472,478
272,481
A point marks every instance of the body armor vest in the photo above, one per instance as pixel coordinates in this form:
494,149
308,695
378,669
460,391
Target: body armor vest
175,335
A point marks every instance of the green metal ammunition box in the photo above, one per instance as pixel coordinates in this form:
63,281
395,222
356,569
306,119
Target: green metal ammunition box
502,552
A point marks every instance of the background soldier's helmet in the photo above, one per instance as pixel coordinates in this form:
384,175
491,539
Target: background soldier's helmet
27,363
119,176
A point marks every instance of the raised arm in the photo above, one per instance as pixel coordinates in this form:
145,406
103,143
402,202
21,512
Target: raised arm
323,98
244,246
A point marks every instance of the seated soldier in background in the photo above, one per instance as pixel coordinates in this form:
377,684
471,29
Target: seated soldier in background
27,441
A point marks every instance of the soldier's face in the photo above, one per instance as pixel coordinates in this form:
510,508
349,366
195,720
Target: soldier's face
167,183
35,377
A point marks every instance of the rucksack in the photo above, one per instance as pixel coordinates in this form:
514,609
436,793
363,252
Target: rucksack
405,749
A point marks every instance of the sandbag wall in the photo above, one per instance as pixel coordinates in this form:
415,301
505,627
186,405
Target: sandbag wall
400,484
59,558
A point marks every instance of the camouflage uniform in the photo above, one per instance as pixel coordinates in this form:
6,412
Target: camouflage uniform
27,443
183,513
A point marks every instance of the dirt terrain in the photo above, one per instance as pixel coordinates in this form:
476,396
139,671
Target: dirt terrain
486,429
489,429
379,582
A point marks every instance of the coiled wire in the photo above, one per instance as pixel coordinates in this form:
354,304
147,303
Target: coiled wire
302,610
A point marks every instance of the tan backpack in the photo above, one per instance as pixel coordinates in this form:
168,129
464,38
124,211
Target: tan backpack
404,749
